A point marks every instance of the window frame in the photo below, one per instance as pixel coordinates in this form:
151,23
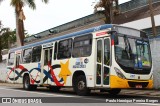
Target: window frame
11,58
37,53
90,38
58,48
24,55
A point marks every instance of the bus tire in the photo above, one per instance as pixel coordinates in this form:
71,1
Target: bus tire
114,91
54,88
27,85
80,86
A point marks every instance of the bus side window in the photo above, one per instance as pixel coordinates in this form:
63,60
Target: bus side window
82,46
64,49
11,59
27,55
55,51
36,54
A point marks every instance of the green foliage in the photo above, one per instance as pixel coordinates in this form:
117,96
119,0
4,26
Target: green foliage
109,8
7,37
22,3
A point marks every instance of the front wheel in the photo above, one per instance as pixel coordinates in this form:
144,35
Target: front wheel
80,86
27,85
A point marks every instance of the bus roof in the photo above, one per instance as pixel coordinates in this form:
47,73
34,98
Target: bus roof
82,32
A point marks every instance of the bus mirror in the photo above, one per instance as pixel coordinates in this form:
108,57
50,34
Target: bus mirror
116,41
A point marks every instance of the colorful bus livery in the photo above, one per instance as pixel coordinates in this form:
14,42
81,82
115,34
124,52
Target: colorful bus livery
107,57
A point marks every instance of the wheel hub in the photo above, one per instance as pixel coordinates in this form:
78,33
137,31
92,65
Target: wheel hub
81,85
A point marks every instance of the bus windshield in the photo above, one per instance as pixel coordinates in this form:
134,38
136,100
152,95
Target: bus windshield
133,55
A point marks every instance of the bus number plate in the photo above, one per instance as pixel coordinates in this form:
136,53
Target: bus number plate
138,86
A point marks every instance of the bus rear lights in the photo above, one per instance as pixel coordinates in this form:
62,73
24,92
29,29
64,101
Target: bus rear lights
119,73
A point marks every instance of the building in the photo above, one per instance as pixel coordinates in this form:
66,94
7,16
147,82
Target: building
134,13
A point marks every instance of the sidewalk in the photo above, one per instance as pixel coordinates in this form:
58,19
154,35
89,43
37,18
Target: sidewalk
10,84
151,93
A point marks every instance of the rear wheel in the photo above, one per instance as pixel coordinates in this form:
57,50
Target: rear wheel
80,86
27,85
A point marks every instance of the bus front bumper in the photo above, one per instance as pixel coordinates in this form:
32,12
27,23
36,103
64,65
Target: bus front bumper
116,82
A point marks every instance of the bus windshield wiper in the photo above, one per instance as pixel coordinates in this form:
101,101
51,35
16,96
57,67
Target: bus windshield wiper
128,47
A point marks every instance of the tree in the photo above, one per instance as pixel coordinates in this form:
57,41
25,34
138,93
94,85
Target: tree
7,37
20,17
109,8
1,32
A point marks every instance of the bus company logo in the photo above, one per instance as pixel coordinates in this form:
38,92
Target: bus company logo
79,59
132,76
97,28
80,63
86,61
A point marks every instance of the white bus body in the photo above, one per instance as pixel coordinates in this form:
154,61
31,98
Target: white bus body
85,60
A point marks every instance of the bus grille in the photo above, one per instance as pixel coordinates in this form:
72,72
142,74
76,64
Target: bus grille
134,84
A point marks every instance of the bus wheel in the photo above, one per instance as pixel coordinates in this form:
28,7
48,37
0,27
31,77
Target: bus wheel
27,85
54,88
81,86
114,91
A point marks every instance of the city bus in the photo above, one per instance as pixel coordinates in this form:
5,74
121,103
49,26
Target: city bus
107,58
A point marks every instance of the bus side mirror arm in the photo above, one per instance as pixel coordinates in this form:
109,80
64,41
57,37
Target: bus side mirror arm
114,33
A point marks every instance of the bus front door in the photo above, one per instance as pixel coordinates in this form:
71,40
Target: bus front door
103,62
46,63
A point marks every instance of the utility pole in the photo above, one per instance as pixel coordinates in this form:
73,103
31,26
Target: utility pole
152,18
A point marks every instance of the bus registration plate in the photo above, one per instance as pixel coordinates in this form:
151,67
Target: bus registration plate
138,86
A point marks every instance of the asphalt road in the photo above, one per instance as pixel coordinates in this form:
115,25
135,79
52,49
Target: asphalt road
67,98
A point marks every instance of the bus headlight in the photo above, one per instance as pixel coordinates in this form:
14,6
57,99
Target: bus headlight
119,73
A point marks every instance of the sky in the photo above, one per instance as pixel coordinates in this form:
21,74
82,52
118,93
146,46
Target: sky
49,15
